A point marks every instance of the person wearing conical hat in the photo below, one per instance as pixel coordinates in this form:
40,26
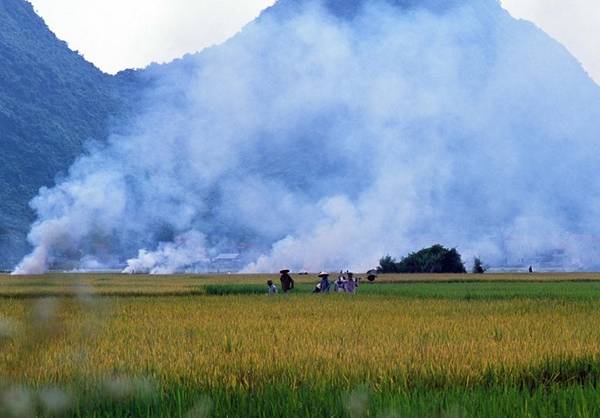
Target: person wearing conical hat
324,284
287,283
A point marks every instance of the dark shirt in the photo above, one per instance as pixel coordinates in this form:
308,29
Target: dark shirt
287,283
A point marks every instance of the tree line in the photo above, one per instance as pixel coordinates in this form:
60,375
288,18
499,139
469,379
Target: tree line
435,259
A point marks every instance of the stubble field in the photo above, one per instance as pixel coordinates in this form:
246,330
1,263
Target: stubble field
112,345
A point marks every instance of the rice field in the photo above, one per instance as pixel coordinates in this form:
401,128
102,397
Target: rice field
447,346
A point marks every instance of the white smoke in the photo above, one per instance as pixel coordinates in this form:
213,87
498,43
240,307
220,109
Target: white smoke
317,143
186,253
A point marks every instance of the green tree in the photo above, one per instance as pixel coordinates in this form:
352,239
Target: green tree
387,264
435,259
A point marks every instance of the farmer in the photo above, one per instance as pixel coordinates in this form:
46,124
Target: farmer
317,288
324,284
271,288
351,284
340,284
287,283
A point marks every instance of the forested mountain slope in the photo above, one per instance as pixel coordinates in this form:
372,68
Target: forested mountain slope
51,102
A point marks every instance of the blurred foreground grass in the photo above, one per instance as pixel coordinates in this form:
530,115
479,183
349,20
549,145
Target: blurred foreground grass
398,348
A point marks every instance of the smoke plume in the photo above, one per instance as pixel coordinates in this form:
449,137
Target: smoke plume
316,141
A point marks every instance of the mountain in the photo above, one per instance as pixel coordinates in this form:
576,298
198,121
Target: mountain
348,9
51,102
329,133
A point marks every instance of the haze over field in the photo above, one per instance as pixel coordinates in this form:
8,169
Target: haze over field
328,136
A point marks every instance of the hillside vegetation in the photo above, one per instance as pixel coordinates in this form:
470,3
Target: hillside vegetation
51,102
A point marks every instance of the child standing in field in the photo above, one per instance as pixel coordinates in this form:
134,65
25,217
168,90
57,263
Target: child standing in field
271,288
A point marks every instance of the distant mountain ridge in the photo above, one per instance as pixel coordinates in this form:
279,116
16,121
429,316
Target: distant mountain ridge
51,102
349,8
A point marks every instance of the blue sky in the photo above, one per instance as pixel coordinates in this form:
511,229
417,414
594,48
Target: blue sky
116,35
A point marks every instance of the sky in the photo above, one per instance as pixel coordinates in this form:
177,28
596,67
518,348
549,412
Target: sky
116,34
575,23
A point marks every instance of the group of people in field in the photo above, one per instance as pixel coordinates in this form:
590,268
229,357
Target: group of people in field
345,283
